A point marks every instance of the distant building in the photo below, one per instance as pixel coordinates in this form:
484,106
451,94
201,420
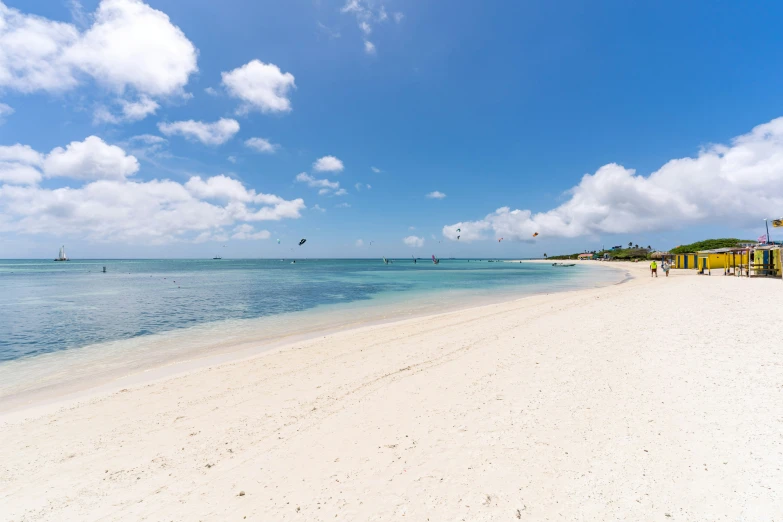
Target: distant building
586,256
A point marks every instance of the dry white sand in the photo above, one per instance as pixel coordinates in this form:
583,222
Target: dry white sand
650,400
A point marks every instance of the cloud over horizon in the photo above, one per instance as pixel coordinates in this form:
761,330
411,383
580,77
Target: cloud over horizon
110,207
741,182
414,241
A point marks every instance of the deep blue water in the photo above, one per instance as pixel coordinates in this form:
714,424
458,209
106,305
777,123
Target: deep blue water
47,306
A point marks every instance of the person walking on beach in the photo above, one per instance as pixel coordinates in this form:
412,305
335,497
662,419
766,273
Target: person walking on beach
666,267
653,268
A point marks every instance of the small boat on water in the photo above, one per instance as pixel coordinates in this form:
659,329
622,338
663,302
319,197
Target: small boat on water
61,256
563,264
217,257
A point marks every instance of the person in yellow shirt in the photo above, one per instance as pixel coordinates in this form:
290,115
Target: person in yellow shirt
653,269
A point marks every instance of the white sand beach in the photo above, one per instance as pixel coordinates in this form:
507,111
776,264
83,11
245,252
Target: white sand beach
656,399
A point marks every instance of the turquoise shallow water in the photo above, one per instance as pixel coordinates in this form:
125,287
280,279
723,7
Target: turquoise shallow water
50,307
67,327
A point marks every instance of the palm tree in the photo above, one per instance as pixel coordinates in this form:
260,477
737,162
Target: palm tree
636,247
649,247
544,255
630,244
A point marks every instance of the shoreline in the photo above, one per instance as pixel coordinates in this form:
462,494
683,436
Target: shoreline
653,399
176,364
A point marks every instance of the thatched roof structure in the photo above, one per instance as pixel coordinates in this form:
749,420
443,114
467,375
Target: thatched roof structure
659,255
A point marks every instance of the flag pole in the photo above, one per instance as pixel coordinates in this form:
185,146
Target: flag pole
766,223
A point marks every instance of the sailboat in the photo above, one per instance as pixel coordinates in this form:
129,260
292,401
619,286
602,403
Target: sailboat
385,261
217,256
435,260
61,256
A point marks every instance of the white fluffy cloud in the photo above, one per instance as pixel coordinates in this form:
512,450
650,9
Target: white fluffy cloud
86,160
375,169
32,52
133,45
359,243
304,177
223,188
138,110
21,154
261,86
369,47
130,48
215,133
436,195
18,174
90,159
245,231
114,208
154,211
414,241
324,185
262,145
328,164
740,183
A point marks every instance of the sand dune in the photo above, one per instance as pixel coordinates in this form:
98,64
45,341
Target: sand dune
650,400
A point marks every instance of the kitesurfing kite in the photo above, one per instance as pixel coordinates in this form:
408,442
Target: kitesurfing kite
534,235
278,241
501,239
302,242
457,238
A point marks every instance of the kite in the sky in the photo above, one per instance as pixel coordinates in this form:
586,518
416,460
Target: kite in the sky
534,235
302,242
457,238
499,240
278,241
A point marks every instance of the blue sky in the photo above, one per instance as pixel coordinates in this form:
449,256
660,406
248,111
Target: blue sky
493,104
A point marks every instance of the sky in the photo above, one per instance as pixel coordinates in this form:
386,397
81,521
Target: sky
385,128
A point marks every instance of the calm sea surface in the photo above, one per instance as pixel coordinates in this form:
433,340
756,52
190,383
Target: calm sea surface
68,327
50,307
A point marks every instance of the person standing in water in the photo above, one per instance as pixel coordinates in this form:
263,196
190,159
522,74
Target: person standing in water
653,268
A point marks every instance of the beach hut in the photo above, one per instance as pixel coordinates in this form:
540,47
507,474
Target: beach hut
706,260
685,261
764,260
586,256
757,260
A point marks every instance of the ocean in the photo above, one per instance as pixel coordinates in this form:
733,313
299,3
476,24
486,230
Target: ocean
139,313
